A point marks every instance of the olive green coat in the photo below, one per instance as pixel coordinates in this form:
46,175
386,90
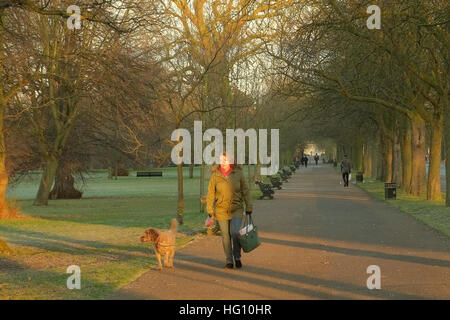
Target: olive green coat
226,195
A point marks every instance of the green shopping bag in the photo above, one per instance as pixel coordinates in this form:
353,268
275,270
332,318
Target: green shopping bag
249,235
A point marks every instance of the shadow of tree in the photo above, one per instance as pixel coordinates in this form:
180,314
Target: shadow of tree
358,252
70,245
301,279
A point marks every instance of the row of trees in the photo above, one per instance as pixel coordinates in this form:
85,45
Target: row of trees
114,90
382,95
54,82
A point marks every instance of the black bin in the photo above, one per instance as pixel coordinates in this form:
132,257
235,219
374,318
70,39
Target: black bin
390,191
359,177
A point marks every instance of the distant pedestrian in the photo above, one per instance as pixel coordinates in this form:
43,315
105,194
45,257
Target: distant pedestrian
305,160
346,167
297,160
316,158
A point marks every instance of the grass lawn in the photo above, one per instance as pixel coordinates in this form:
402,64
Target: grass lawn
99,233
433,214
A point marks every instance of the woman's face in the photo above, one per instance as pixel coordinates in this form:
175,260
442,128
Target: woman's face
225,162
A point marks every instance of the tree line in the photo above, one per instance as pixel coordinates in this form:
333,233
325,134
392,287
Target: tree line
382,95
110,94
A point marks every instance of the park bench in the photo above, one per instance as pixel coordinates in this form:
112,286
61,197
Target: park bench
283,176
266,190
287,172
276,182
149,174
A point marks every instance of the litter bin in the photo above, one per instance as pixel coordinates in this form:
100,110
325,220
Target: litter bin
359,177
390,191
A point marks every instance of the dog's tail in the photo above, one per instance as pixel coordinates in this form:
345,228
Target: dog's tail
173,226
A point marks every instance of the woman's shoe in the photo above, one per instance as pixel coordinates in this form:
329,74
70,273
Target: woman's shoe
238,264
229,266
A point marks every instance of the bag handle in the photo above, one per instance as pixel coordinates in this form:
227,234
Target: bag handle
248,221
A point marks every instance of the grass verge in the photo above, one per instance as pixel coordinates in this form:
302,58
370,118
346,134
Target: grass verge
99,233
434,214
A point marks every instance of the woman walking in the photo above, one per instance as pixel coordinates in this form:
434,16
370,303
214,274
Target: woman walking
227,192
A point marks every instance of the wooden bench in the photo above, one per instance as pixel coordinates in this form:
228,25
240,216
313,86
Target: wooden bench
149,174
276,182
283,176
287,172
266,190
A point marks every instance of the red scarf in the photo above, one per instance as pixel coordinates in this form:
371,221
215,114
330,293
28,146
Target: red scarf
225,173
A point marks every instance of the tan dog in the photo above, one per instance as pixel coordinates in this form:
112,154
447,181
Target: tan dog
164,243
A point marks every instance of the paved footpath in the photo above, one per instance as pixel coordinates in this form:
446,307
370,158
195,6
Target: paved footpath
318,238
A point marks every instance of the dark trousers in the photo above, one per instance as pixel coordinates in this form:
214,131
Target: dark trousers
345,177
230,240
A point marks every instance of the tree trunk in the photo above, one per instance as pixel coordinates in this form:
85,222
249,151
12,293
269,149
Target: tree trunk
368,160
180,208
434,170
5,211
249,177
389,157
376,167
386,159
358,156
383,162
64,184
191,171
397,175
202,187
418,178
379,168
48,177
447,147
406,148
257,172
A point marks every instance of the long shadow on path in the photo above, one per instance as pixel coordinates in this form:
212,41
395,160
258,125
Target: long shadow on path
300,279
357,252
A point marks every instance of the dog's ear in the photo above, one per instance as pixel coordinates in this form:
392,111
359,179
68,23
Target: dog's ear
152,233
